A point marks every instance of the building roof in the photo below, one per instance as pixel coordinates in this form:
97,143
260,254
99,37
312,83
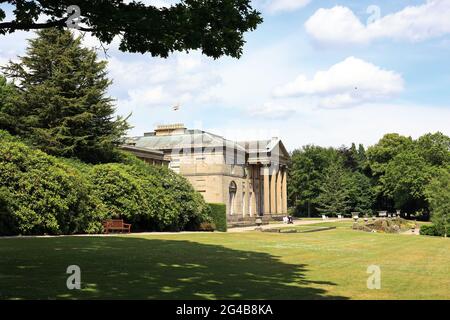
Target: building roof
144,152
265,151
188,139
177,137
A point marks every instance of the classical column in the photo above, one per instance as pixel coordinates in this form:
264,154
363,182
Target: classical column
273,190
245,209
279,192
284,190
257,188
252,194
266,201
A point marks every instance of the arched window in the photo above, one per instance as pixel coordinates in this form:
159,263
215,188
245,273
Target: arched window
232,196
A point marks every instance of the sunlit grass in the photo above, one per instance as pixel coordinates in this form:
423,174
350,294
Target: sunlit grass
328,264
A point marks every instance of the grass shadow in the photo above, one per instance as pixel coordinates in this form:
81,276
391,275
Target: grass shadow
139,268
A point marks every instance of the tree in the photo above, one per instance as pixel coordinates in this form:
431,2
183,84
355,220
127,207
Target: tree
438,195
405,180
334,196
306,175
361,194
354,159
350,157
385,150
378,157
7,93
61,105
216,27
434,148
5,90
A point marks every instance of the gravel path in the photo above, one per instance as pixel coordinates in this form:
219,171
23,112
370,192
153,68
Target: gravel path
280,225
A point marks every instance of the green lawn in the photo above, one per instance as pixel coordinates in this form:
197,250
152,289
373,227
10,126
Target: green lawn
322,265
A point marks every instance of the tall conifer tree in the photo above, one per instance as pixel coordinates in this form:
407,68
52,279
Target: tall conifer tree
62,104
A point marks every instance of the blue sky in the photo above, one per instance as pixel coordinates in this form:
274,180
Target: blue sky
314,72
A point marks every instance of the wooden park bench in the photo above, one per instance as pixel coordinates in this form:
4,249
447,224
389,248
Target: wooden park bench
116,225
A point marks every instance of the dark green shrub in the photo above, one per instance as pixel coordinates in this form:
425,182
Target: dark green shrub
174,203
41,194
120,192
430,230
148,197
8,223
218,215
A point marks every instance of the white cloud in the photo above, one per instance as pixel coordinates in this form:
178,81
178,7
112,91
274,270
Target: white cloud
340,26
363,124
347,83
275,6
147,83
275,109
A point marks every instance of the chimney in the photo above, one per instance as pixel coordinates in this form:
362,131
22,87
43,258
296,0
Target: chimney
170,129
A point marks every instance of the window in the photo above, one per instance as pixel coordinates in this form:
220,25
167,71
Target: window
232,197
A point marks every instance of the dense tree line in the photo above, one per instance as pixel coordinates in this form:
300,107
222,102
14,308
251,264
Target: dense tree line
397,173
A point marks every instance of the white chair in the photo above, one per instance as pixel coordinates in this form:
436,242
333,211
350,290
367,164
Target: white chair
339,216
324,217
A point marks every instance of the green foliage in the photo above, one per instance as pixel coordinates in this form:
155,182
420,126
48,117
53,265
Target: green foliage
392,174
7,93
306,175
41,194
318,174
430,230
61,104
438,195
334,196
120,192
403,168
44,194
434,148
405,178
354,159
151,198
385,150
361,194
216,27
219,216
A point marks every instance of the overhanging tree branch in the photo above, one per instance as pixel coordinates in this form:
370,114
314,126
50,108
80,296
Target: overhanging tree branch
216,27
12,26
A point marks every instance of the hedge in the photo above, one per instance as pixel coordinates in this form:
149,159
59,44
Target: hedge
431,230
42,194
218,216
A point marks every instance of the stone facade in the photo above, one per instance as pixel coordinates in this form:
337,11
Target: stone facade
250,177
